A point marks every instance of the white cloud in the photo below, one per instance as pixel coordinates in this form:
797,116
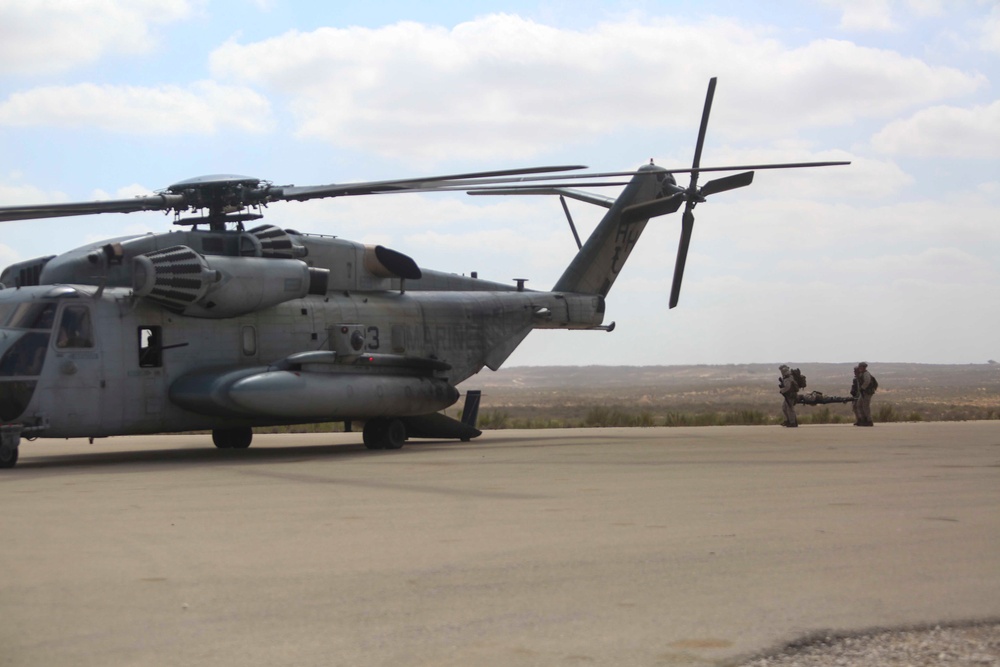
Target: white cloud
45,36
881,15
944,131
925,8
864,14
202,108
16,195
507,87
990,32
863,177
134,190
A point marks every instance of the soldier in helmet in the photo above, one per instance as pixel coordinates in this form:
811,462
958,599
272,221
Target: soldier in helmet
790,391
855,394
866,386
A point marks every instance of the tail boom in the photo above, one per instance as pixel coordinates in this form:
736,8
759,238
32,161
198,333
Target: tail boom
596,267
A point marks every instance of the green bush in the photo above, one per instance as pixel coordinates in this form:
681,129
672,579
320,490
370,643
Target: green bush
746,418
493,420
601,416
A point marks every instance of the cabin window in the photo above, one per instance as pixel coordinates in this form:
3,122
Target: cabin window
75,329
150,347
249,340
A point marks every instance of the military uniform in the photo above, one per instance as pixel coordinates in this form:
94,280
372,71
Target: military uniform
789,389
855,394
863,400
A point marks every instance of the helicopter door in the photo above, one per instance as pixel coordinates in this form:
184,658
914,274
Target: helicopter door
146,379
78,389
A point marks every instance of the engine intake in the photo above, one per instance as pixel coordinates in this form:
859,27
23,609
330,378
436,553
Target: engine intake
174,277
275,243
182,281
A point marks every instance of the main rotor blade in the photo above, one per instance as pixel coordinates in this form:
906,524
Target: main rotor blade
302,193
472,183
775,165
487,189
726,183
683,170
164,202
687,226
579,195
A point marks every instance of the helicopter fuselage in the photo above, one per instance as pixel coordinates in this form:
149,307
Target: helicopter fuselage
87,361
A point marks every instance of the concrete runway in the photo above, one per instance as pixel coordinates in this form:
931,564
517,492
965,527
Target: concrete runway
681,546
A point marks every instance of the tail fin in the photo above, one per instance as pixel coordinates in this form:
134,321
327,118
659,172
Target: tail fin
470,413
652,192
596,266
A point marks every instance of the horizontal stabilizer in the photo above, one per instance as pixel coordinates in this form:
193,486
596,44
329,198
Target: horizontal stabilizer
437,425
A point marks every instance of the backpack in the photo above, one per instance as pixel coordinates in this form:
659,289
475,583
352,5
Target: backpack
800,379
873,386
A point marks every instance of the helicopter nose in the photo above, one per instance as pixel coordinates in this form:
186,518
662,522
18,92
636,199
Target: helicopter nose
22,355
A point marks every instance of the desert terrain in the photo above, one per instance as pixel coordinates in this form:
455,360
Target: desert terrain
556,396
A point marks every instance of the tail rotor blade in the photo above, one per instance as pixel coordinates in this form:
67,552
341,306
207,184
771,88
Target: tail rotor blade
651,209
727,183
687,226
709,96
692,196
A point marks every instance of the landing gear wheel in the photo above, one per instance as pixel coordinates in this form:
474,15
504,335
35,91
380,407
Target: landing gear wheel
242,437
8,457
374,433
384,433
395,434
232,438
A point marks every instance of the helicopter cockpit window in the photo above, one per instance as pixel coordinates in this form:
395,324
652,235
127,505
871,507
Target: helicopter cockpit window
33,315
26,355
150,347
74,328
5,311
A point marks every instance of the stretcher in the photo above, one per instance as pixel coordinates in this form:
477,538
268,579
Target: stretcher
817,398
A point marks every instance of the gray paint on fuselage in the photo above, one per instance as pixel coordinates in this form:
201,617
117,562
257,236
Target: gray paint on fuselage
467,330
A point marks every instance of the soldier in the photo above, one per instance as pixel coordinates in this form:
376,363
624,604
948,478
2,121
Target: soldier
790,391
863,401
856,395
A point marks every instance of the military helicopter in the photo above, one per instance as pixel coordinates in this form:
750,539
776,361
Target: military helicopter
223,328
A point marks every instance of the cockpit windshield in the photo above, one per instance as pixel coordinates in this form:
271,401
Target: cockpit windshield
25,356
37,315
26,334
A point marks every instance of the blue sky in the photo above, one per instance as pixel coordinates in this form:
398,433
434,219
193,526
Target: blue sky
891,259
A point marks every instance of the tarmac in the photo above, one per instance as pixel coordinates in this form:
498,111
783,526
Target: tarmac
660,546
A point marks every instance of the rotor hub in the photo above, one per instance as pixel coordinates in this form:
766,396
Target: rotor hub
225,197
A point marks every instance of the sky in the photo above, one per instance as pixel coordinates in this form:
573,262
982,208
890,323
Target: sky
895,258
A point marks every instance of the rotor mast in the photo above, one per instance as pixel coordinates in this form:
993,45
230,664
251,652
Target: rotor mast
226,199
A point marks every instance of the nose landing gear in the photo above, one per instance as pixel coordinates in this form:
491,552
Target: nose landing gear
10,438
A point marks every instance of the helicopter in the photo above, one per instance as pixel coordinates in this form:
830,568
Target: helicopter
224,328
